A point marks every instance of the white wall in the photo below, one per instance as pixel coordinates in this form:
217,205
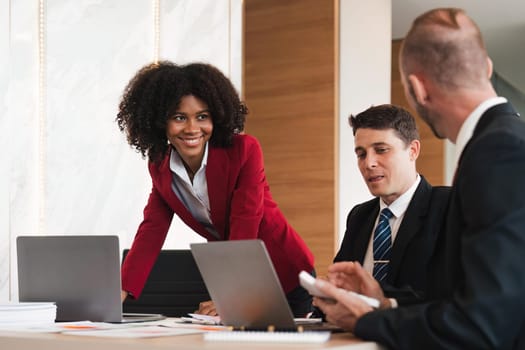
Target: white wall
4,174
364,80
69,170
92,182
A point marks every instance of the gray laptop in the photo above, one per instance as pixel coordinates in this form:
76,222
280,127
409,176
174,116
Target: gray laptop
243,285
80,273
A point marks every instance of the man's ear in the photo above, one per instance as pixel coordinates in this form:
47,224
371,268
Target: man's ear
419,89
489,67
415,148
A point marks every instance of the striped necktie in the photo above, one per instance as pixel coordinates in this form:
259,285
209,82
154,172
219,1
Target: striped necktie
382,245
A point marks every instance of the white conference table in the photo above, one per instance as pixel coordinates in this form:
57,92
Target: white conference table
10,340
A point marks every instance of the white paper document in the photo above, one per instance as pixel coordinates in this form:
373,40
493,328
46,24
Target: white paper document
15,314
136,332
202,319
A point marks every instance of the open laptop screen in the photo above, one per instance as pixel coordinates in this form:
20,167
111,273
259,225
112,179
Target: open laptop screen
80,273
242,283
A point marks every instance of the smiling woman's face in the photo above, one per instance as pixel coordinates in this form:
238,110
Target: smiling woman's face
189,128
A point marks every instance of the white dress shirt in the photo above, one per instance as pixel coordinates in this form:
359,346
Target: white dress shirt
194,195
398,208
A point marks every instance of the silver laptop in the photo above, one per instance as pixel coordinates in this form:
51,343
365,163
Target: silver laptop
243,285
80,273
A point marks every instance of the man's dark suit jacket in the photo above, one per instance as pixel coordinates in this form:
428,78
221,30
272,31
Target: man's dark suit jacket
479,260
412,247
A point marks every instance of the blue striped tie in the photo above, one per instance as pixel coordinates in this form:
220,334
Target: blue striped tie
382,245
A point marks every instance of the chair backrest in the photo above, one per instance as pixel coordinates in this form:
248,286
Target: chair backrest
174,287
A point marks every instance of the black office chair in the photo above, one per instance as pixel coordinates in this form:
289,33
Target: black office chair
174,287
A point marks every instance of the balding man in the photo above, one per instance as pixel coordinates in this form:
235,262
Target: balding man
478,284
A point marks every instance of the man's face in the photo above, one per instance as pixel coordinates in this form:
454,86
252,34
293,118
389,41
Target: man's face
387,165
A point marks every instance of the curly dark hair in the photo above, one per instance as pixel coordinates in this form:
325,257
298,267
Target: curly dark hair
155,92
387,116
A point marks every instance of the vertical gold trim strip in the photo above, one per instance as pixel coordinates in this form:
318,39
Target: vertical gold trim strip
41,117
230,39
156,31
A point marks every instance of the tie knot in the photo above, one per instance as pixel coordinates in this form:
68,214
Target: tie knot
387,213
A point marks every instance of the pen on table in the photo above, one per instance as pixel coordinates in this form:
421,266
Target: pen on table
73,326
210,328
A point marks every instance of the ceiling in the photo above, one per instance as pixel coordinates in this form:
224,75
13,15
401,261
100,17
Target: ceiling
501,22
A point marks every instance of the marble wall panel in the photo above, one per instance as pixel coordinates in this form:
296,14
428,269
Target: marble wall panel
80,170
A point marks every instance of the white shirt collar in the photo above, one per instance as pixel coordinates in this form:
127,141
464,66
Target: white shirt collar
400,205
177,166
468,126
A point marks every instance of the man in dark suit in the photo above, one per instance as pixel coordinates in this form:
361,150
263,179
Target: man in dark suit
387,146
477,267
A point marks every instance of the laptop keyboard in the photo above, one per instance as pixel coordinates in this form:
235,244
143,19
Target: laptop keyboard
261,336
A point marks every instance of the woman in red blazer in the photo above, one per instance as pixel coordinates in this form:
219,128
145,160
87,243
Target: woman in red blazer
187,120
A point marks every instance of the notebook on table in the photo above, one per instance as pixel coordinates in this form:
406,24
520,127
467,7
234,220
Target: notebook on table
81,274
244,286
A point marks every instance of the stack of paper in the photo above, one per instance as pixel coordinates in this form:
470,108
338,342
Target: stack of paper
202,319
19,314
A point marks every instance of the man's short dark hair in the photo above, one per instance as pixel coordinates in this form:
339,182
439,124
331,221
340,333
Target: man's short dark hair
384,117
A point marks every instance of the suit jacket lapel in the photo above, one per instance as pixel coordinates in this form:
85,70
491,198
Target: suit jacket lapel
364,233
410,226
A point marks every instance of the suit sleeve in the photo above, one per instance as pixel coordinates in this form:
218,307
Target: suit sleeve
147,244
487,308
247,205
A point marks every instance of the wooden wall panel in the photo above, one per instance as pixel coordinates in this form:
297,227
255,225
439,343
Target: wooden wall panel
431,161
289,87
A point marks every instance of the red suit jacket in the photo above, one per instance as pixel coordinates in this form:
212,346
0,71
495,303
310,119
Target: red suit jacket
241,208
